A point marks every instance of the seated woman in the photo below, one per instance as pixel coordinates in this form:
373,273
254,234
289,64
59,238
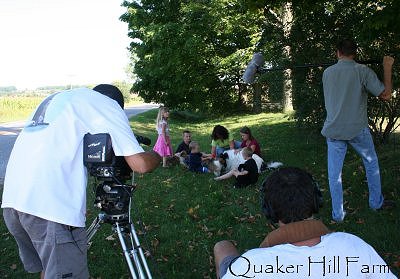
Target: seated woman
249,141
221,140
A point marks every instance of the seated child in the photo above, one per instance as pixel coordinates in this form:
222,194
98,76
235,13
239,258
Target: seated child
184,145
246,174
195,158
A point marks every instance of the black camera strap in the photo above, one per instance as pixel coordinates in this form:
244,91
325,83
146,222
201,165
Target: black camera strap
38,118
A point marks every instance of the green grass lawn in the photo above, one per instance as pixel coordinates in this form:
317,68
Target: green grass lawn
184,214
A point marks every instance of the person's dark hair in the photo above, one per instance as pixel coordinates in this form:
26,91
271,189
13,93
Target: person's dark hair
219,132
246,130
112,92
186,132
347,47
289,193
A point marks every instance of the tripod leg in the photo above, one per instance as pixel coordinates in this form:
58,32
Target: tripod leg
138,248
90,232
127,256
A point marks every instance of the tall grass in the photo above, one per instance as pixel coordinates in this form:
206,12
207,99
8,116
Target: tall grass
13,108
19,107
184,214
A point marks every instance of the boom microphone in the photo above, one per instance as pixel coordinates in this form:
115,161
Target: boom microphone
254,66
256,63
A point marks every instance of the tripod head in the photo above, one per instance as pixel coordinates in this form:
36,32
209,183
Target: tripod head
113,200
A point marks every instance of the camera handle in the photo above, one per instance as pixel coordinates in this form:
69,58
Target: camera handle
128,239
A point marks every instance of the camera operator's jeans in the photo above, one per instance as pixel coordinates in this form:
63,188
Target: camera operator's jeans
337,149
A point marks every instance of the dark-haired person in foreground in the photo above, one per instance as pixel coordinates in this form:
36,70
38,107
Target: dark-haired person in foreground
346,84
302,247
44,198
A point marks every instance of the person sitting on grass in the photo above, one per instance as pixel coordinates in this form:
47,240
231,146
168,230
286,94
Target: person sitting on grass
246,174
184,145
302,247
195,159
249,141
222,140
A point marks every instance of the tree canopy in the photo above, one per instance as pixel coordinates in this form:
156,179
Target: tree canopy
190,54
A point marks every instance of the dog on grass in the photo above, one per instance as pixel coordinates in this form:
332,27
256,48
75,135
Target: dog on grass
230,160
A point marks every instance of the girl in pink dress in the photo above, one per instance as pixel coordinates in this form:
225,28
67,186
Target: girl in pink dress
163,144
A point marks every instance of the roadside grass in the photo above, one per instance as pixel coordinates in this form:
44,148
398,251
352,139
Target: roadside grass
184,214
19,107
15,108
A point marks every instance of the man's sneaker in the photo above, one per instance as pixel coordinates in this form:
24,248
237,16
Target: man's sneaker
386,205
340,220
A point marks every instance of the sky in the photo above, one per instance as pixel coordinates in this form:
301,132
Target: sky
62,42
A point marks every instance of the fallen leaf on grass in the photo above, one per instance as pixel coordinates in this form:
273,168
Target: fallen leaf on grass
110,238
155,242
247,219
251,219
170,207
163,259
360,221
192,212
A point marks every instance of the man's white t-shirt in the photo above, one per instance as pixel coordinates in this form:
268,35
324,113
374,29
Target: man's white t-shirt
45,175
338,255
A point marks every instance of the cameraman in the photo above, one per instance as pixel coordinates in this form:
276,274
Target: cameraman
302,247
44,196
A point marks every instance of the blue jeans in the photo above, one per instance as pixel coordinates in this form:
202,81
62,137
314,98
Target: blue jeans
219,150
337,149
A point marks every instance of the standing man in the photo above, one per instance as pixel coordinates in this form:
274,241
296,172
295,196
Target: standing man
44,198
345,85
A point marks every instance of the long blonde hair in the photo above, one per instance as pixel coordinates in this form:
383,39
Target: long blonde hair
160,115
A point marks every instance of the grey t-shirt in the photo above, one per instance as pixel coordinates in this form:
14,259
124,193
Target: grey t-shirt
345,91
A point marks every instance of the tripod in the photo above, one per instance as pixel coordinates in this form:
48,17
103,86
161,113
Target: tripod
115,204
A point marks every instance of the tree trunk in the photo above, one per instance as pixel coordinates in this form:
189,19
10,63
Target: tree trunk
240,99
287,20
257,91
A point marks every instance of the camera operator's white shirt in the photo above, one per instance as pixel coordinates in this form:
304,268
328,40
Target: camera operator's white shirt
45,174
338,255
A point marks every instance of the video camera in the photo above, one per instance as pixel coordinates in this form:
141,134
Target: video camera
112,193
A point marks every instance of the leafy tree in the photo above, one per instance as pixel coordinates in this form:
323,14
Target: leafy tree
190,53
125,88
